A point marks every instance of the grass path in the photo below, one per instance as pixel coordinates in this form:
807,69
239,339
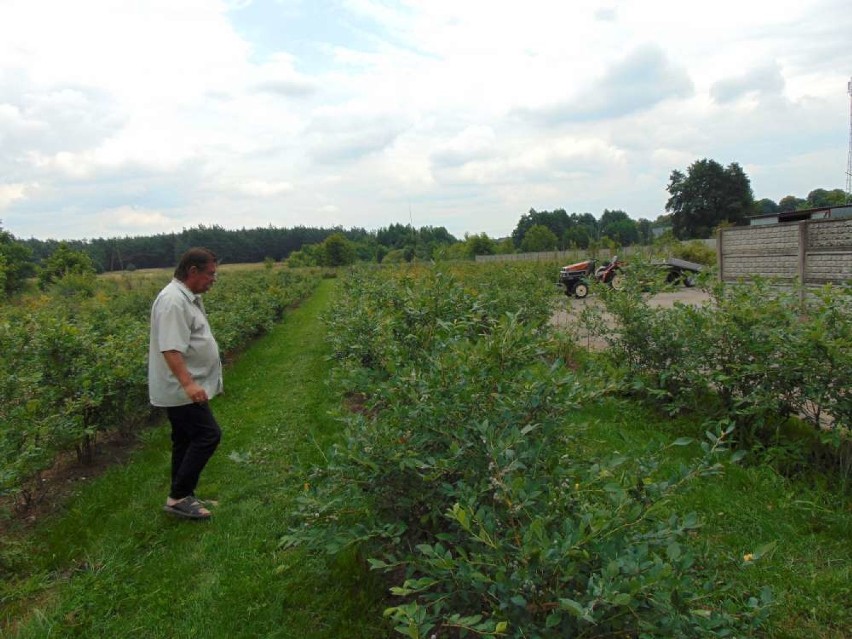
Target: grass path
113,565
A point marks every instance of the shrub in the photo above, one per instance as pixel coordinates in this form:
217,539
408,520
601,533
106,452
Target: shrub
461,482
695,251
759,353
64,262
75,365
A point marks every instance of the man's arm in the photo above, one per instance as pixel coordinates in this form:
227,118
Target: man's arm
176,364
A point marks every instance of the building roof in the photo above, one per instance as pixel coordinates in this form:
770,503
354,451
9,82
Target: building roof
822,212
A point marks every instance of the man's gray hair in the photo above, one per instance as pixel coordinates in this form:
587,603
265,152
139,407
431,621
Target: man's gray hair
198,257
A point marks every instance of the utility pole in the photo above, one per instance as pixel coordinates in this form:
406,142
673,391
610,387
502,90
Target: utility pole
849,158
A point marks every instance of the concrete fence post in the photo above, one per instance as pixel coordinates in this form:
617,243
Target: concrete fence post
802,266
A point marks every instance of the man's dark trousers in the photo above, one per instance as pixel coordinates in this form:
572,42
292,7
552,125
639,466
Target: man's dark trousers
195,436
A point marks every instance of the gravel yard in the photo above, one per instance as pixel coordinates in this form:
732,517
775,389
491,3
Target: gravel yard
567,317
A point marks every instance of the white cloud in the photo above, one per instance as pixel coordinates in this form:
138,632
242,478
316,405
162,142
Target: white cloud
134,221
474,142
262,188
278,76
766,80
155,114
11,192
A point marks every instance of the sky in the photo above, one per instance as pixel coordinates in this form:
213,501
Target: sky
122,118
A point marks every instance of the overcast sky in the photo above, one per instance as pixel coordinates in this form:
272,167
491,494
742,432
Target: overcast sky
122,117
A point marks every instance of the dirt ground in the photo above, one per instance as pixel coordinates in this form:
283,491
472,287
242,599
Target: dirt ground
568,316
52,488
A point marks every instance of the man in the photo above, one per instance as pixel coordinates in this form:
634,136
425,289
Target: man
184,372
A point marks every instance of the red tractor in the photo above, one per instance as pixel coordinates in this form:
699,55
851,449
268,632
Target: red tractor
576,277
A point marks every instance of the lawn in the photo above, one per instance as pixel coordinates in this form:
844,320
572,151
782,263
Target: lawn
792,535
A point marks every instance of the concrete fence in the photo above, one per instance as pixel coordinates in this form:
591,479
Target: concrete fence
574,255
814,252
563,257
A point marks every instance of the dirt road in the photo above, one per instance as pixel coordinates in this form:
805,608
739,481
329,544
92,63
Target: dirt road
567,317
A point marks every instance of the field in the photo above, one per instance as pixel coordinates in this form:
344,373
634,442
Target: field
417,452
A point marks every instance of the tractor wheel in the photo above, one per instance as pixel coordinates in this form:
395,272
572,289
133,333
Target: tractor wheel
581,290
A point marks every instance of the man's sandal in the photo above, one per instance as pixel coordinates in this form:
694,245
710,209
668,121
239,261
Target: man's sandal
188,508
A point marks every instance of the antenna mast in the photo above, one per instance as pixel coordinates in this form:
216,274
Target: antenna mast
849,160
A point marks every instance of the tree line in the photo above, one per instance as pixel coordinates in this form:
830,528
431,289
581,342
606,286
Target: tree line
705,197
702,198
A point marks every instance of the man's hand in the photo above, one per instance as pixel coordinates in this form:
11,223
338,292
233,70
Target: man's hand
196,393
177,366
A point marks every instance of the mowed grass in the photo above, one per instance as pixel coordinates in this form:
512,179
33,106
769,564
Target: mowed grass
797,530
114,565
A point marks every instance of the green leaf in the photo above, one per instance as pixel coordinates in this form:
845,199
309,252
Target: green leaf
683,441
737,456
461,516
573,607
526,430
553,619
622,599
765,549
673,551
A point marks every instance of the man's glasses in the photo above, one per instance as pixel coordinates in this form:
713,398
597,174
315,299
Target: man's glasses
214,275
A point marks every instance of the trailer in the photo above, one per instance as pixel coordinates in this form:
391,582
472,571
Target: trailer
681,271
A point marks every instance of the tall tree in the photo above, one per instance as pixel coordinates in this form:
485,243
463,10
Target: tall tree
16,263
791,203
65,261
706,196
618,226
820,197
337,250
578,236
479,245
646,235
765,206
538,238
556,221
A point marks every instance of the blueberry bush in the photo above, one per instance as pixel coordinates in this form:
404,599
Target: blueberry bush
458,478
75,360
